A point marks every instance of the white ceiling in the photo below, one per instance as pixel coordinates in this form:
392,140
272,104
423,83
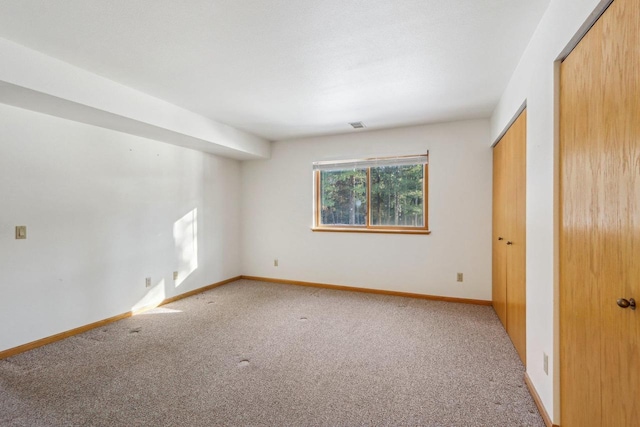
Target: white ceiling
287,68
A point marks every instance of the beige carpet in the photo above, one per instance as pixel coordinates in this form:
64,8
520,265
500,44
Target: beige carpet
253,353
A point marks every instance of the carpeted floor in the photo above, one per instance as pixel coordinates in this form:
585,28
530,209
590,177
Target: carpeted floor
253,353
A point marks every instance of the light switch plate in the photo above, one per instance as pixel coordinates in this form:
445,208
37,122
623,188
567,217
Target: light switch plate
21,232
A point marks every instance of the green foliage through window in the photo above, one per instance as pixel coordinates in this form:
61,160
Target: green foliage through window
372,193
396,196
344,197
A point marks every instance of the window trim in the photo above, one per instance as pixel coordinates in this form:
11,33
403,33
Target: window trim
367,227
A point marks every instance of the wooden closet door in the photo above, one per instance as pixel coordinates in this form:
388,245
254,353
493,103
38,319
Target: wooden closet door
600,223
509,232
516,236
499,248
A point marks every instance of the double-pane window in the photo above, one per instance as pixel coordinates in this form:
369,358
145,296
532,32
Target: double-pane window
381,194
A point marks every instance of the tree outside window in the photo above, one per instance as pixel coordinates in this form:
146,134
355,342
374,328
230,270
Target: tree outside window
381,194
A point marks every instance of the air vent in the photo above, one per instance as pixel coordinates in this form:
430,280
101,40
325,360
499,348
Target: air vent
357,125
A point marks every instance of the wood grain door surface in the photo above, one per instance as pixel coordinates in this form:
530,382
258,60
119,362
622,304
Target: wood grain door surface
499,266
517,242
600,223
509,232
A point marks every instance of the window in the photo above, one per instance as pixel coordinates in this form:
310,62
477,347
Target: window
386,195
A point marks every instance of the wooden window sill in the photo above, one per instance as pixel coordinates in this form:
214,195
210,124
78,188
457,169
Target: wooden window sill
371,230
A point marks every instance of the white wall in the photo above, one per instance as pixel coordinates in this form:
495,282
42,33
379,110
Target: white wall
277,197
534,81
104,210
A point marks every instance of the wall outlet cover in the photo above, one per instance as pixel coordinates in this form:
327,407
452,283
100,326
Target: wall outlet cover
545,363
21,232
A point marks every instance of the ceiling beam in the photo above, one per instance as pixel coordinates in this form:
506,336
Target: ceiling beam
34,81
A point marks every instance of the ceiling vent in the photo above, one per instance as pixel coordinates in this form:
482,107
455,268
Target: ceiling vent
357,125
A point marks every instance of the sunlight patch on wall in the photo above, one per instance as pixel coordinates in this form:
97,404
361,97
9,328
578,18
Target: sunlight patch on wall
185,237
154,296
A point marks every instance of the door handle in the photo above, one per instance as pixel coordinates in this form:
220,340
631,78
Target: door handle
500,238
624,303
509,242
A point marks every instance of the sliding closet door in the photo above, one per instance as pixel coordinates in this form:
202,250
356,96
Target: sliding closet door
517,243
509,233
600,223
499,267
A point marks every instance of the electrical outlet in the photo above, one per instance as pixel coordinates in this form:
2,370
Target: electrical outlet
21,232
147,282
459,277
545,363
275,262
175,275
